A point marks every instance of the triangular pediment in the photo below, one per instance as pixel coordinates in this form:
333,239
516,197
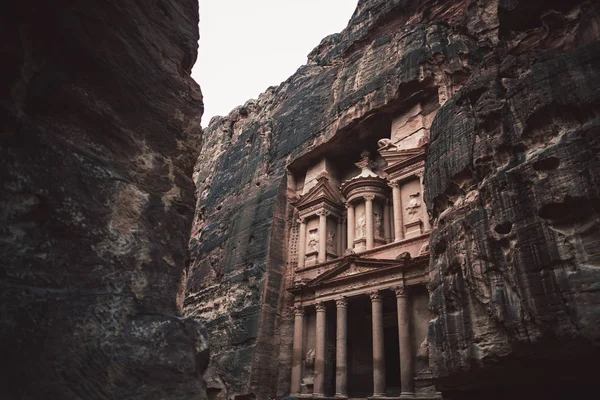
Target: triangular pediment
354,266
393,157
322,191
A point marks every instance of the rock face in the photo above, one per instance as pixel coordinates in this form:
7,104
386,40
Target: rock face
511,182
101,124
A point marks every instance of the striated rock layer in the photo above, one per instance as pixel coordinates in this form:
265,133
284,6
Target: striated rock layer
512,180
101,124
511,183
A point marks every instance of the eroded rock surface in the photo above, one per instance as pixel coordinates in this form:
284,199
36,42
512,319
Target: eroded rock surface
101,124
512,182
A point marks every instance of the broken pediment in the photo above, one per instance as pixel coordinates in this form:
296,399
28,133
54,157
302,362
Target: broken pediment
323,191
393,157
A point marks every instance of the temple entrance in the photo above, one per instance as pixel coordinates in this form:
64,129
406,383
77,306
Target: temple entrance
360,348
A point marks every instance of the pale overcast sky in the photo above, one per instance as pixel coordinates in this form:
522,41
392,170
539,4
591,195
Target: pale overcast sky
248,45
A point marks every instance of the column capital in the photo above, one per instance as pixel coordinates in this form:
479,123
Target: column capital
401,291
369,197
375,296
394,183
320,306
323,212
299,310
341,302
301,220
348,204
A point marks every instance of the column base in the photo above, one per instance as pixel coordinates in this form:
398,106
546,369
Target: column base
407,395
340,396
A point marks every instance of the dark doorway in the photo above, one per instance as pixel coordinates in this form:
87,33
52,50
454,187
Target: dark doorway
360,348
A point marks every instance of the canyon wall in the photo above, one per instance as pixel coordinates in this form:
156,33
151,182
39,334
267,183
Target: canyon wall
101,128
511,184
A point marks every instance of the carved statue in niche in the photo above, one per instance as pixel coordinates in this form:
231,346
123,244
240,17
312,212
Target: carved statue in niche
377,227
331,242
309,379
313,240
413,205
361,225
423,358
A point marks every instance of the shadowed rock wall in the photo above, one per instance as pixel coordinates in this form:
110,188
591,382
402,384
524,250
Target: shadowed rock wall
101,125
512,181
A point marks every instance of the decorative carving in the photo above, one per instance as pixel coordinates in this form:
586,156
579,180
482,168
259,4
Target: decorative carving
299,310
348,204
404,256
377,225
310,359
375,296
369,197
413,204
301,220
323,212
423,358
320,307
361,226
349,252
385,144
394,183
365,162
341,302
331,242
313,240
401,291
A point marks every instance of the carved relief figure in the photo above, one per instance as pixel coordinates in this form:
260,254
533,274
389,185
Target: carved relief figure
377,227
361,224
331,242
413,205
313,240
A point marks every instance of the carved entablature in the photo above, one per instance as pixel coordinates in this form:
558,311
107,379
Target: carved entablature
322,197
403,164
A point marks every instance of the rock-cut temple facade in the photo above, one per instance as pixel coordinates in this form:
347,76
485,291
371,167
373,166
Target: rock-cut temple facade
359,245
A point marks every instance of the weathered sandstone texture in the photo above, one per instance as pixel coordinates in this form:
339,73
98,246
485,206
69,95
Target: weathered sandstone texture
100,129
511,181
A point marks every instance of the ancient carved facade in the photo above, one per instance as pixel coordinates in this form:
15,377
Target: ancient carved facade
359,285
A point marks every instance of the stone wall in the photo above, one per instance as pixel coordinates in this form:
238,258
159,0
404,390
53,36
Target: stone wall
101,128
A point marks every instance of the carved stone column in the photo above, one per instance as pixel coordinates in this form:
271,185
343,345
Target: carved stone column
340,242
426,223
406,364
297,349
341,374
322,256
369,217
302,243
351,227
386,222
319,383
398,223
378,345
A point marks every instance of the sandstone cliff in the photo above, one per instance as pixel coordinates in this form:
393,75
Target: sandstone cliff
511,181
101,124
